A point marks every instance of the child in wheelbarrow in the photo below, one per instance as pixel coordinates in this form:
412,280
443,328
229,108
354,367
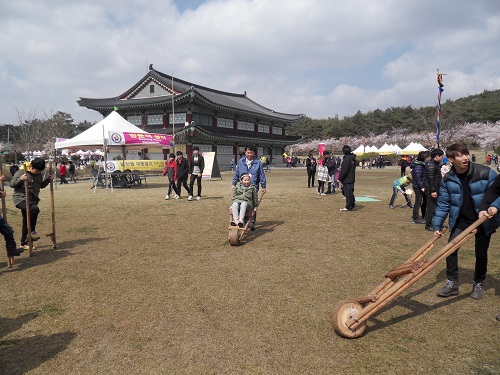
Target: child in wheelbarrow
245,197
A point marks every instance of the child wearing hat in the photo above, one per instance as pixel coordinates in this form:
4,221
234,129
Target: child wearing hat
245,198
171,171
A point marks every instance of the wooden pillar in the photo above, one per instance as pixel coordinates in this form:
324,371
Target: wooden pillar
165,120
189,152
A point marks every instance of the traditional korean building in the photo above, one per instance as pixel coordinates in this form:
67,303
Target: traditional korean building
200,116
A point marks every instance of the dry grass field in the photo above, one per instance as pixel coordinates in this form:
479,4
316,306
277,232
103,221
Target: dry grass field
140,285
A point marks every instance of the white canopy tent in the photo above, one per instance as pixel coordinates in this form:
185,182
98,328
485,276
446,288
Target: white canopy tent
386,150
359,151
413,149
94,137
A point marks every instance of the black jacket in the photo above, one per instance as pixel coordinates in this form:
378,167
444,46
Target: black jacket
331,164
348,169
201,163
311,165
432,177
182,169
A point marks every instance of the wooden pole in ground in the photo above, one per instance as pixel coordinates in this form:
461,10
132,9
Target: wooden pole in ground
52,206
28,215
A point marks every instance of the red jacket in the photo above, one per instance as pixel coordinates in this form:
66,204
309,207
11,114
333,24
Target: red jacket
170,164
62,170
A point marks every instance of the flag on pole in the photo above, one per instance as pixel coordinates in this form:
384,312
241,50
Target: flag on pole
115,108
438,108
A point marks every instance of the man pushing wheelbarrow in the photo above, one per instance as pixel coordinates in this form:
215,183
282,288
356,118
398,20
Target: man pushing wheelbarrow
252,166
460,195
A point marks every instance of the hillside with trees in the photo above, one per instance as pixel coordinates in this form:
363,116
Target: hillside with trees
474,120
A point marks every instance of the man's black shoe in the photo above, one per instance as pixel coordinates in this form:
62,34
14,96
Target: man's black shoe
252,228
429,229
15,253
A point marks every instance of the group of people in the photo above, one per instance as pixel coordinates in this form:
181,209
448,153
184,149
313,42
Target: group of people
70,171
463,192
178,170
425,178
334,174
35,181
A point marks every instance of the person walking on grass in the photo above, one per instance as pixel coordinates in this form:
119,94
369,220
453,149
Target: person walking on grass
35,182
490,204
461,192
251,165
418,180
62,173
71,172
433,179
196,168
347,177
171,171
245,198
182,174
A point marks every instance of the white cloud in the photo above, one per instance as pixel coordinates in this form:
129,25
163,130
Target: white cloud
318,57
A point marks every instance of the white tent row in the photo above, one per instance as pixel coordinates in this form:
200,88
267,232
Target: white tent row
412,149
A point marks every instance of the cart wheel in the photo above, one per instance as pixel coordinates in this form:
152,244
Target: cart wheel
342,313
234,236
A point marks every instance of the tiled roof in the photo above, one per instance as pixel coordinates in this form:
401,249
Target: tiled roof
186,91
242,136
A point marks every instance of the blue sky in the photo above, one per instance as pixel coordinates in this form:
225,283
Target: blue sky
318,57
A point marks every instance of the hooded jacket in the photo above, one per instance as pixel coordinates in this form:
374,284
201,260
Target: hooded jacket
348,169
450,198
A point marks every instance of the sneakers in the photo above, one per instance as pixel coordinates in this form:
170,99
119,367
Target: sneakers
167,197
26,247
449,289
190,198
418,221
34,236
430,229
477,291
391,206
410,205
322,193
344,209
176,196
198,198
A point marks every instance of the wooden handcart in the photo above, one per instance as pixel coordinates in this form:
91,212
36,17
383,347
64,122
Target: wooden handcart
349,317
236,234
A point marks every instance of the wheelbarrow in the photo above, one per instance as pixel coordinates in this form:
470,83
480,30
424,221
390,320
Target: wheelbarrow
349,317
236,234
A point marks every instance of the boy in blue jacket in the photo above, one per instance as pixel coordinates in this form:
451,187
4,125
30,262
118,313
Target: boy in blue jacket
460,194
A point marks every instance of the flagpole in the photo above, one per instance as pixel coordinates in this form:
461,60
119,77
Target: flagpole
173,115
438,108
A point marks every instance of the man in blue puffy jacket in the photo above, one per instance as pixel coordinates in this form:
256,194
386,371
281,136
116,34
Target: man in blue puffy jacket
460,194
251,165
